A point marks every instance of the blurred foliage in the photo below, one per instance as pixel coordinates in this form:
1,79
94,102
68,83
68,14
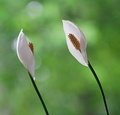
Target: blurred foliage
67,87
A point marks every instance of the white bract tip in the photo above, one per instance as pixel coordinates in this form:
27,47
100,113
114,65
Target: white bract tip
76,42
25,54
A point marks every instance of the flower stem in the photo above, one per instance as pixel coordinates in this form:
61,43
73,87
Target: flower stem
38,93
100,86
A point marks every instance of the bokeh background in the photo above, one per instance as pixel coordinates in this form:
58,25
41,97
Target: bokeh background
67,87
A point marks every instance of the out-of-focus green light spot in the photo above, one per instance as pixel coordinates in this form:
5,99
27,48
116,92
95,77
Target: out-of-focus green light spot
34,9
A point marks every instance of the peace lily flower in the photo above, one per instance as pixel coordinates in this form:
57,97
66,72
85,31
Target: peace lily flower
26,56
76,42
25,53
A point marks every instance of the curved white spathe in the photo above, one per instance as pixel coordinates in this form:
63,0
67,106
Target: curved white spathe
25,54
80,55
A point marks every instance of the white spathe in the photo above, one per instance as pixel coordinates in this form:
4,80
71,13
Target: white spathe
80,55
25,54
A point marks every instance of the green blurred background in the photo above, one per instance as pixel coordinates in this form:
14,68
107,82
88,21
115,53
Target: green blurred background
67,87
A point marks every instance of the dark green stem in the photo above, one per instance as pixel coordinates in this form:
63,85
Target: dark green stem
38,93
100,86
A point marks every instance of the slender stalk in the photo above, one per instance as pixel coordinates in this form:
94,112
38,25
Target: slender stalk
100,86
38,93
